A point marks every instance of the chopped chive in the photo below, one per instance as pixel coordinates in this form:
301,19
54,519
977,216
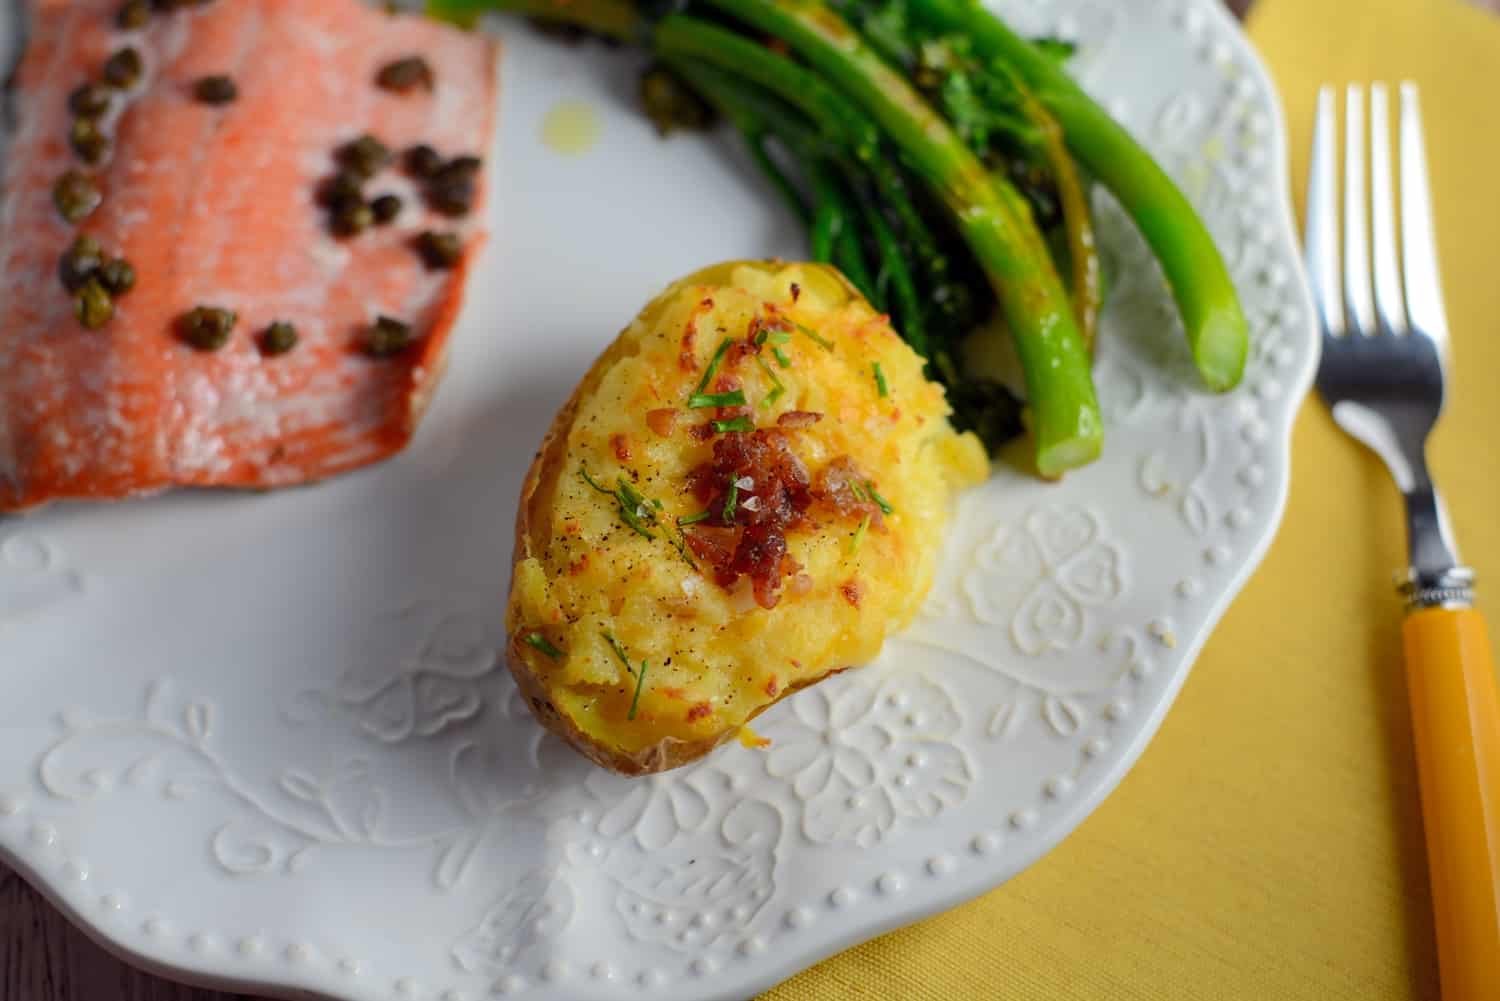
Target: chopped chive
679,543
584,472
818,338
640,682
693,519
732,501
738,424
635,510
777,389
772,337
859,535
700,400
619,650
880,384
880,502
781,358
858,491
713,365
540,642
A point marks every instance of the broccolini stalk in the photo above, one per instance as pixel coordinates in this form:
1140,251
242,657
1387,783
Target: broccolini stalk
619,19
1211,313
991,215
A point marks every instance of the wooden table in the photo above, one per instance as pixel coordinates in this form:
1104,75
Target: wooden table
43,958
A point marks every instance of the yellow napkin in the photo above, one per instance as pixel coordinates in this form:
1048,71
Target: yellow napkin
1268,845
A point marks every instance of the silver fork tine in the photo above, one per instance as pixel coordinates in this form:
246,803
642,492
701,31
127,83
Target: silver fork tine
1361,309
1389,302
1322,241
1424,294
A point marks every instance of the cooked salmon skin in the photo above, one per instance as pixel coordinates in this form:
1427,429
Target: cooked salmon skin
219,205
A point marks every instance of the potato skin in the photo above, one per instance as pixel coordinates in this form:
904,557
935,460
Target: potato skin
532,518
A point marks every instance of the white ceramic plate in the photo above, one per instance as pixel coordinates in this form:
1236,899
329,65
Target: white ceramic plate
263,740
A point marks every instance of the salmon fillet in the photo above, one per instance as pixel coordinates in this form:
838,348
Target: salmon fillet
218,205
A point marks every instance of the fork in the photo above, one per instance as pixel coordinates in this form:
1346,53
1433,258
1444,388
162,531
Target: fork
1382,373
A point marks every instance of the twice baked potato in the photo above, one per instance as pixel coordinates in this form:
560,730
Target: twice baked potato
745,494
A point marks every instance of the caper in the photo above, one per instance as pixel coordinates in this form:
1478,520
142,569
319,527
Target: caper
90,100
460,167
117,275
341,191
91,145
440,251
365,155
76,195
216,90
207,328
134,15
452,196
79,263
279,338
388,337
92,305
423,161
352,219
405,75
124,68
386,208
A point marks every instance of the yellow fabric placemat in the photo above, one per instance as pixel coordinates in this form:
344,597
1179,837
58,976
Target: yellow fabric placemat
1268,844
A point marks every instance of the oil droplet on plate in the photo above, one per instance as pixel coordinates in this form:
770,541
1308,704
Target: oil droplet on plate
571,128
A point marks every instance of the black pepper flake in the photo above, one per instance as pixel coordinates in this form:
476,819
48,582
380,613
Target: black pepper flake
124,68
92,305
365,156
440,251
207,328
422,161
76,196
133,16
216,90
79,263
117,275
91,145
405,75
279,338
385,209
90,100
388,337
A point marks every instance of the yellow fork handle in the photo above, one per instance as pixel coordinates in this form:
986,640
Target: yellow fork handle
1456,723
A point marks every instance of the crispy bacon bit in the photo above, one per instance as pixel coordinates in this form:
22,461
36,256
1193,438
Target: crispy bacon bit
852,590
663,421
770,488
799,419
702,432
699,711
621,445
579,565
773,687
796,291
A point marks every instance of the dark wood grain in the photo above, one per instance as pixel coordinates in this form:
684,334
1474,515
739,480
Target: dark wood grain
44,958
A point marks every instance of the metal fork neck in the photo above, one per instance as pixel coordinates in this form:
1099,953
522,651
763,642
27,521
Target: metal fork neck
1451,588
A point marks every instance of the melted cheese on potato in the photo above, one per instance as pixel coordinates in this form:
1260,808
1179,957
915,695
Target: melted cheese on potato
596,593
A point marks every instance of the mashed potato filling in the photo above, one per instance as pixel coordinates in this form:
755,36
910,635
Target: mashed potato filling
750,495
